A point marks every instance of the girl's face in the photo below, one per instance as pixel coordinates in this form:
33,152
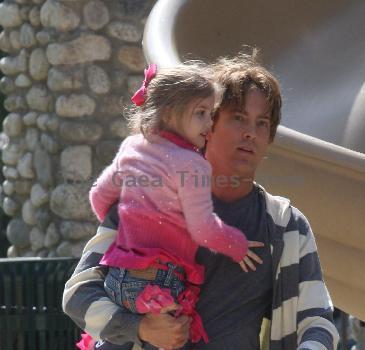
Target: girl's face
195,122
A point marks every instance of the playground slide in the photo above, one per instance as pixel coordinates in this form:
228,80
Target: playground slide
317,50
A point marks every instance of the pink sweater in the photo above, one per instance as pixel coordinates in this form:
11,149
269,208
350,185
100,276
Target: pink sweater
165,210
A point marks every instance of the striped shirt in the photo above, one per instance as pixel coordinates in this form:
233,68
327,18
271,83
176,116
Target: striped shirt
301,307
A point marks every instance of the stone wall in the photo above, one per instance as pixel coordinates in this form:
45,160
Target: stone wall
69,67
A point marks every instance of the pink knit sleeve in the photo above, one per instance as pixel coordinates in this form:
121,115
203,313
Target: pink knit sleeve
105,191
205,227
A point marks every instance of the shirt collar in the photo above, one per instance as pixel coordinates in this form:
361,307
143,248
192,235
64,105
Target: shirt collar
179,141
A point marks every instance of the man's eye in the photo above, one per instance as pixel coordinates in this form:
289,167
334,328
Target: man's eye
238,117
263,124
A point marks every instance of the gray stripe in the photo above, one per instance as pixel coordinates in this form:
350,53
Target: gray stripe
310,268
287,285
122,328
319,335
88,260
289,342
112,218
81,300
320,312
298,222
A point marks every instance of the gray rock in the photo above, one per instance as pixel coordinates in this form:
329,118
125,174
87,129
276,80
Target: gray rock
43,253
134,83
38,64
27,35
71,202
14,38
7,85
52,253
105,150
34,17
38,2
10,173
74,132
119,79
5,44
119,128
12,153
12,124
43,167
96,14
49,144
98,80
70,249
17,233
39,99
111,106
10,207
15,103
75,106
125,31
75,231
76,163
43,218
60,79
132,57
28,254
23,81
12,252
30,118
42,121
8,187
58,16
22,187
86,48
44,37
52,236
9,15
28,213
53,124
38,195
14,65
37,238
24,12
25,166
4,140
32,138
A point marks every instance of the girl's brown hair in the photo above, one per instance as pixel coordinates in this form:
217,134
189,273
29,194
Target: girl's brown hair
169,93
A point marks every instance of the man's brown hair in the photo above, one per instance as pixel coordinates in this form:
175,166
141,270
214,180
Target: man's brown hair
241,74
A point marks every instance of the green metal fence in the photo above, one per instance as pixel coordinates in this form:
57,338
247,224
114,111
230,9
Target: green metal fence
31,315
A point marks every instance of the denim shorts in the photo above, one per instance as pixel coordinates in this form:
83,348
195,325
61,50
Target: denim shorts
124,285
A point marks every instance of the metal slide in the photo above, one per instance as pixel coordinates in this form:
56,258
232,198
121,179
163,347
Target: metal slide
317,50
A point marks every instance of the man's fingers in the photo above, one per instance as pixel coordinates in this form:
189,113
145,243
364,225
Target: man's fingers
255,244
254,256
243,266
249,263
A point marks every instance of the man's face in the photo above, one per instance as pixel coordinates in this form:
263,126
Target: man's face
240,137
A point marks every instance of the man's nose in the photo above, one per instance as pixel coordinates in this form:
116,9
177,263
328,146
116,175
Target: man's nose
249,131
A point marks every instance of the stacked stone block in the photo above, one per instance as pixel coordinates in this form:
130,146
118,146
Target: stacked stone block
69,67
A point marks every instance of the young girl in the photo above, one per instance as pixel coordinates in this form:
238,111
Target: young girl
162,182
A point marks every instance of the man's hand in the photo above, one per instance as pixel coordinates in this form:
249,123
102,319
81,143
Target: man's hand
164,331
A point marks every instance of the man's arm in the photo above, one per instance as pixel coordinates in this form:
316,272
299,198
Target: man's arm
315,327
87,304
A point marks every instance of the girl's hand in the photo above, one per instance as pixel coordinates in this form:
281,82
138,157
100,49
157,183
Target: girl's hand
247,261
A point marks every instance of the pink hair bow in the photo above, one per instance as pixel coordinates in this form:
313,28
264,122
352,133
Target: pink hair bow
140,96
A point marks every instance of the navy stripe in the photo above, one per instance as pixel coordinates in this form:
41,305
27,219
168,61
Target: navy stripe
319,335
81,300
88,260
112,218
310,269
320,312
298,222
286,285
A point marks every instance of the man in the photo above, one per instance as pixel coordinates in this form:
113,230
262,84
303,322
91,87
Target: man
287,288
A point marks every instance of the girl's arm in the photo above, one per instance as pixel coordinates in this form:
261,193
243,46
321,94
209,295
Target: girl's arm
205,227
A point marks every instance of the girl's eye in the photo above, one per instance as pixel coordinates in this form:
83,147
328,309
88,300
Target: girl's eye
238,117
